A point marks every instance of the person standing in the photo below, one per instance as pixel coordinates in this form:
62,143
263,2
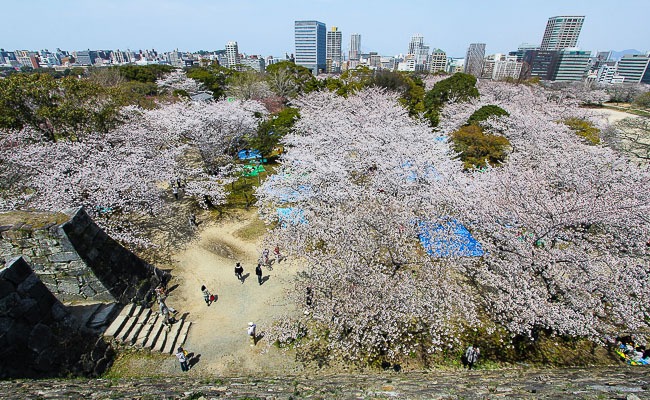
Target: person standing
207,296
192,221
265,256
258,272
175,192
251,333
182,358
239,270
471,355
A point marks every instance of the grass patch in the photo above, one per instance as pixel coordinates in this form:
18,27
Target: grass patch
252,231
35,220
242,191
134,364
628,110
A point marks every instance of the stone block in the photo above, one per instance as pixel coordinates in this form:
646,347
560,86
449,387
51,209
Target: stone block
64,257
59,311
40,338
25,308
16,271
5,325
69,285
88,291
19,334
6,288
8,303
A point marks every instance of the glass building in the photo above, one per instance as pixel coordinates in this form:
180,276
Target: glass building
310,37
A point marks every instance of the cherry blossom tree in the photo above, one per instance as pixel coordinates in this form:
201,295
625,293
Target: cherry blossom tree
562,223
124,174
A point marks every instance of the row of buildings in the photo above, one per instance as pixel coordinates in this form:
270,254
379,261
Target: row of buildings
319,49
556,58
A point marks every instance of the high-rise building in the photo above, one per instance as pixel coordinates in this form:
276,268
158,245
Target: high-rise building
539,63
562,32
311,49
437,61
355,46
416,43
474,59
572,65
232,54
634,68
333,51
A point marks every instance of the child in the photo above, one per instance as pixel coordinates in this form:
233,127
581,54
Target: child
207,296
182,358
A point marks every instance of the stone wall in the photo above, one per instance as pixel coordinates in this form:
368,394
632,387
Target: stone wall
38,334
75,258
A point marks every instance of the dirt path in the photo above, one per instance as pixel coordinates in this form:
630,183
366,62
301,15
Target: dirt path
218,332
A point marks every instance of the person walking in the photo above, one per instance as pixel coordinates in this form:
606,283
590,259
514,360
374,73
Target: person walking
265,256
251,333
164,311
182,358
207,296
192,221
175,192
258,272
239,270
278,256
471,356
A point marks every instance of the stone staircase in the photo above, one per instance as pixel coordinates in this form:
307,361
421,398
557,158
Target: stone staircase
141,327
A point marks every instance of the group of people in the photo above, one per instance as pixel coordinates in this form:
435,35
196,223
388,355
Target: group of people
265,257
631,353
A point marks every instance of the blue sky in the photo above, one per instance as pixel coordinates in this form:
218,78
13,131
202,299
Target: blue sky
266,27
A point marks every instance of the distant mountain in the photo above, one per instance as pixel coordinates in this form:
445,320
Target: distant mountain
616,55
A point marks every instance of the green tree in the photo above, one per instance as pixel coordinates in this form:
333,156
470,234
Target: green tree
144,73
643,100
486,112
584,129
270,132
477,148
212,77
288,80
458,87
58,108
247,85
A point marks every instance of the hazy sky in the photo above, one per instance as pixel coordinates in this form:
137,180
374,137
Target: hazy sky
266,27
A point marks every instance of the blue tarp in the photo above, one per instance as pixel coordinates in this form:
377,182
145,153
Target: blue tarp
249,154
291,215
450,239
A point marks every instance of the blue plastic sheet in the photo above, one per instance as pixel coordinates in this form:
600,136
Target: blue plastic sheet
249,154
291,215
450,239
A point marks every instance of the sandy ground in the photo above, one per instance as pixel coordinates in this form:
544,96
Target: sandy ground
218,331
614,115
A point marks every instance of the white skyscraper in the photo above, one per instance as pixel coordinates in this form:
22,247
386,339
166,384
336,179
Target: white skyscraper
474,59
333,51
355,46
562,32
232,54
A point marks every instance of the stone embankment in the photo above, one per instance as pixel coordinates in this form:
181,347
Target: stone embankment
623,382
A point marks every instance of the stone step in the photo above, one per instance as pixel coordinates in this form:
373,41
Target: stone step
146,329
183,334
118,323
130,323
102,315
159,345
138,325
170,346
155,332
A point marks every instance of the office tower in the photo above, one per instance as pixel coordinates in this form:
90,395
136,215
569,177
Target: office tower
355,46
634,68
539,63
572,65
311,48
562,32
437,61
474,59
333,50
232,54
417,41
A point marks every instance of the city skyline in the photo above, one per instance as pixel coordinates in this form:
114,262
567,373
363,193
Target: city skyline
267,28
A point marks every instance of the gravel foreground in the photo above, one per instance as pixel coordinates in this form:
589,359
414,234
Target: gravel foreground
623,382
